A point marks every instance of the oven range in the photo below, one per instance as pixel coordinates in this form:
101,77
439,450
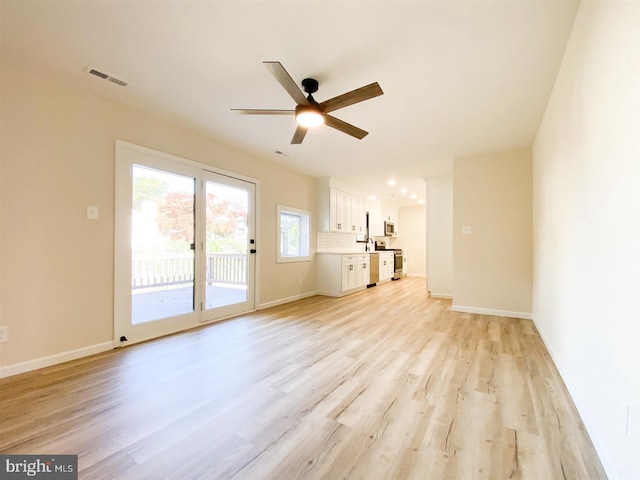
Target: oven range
381,245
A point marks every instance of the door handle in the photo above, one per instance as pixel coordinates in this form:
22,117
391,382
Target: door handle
253,250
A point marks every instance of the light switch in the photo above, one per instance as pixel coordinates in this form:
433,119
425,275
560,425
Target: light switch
92,212
466,230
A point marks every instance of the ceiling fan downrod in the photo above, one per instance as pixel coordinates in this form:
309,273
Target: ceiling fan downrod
310,86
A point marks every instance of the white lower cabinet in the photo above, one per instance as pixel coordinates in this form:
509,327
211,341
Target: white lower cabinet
340,274
363,268
387,265
349,273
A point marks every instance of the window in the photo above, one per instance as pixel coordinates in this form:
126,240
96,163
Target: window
293,234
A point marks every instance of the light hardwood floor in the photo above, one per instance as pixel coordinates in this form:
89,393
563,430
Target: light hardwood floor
383,384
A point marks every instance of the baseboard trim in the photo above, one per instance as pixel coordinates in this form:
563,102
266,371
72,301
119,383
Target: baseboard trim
282,301
491,311
42,362
446,296
598,444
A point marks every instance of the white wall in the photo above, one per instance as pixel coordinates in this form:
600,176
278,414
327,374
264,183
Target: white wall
586,228
439,239
412,238
57,146
492,265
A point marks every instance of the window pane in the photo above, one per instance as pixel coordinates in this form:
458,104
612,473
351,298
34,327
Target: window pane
227,230
162,227
294,234
290,235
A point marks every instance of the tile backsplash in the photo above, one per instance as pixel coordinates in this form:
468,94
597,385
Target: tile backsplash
339,242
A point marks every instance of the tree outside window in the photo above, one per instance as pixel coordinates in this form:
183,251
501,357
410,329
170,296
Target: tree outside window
170,209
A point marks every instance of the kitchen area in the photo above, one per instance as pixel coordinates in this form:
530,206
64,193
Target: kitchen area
359,244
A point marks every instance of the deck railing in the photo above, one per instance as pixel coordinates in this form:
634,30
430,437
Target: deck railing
227,268
162,270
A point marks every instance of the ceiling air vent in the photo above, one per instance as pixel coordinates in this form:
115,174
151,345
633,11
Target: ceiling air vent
117,81
95,72
106,76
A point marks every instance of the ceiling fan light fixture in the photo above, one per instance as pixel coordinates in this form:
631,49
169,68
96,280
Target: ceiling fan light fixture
309,116
308,112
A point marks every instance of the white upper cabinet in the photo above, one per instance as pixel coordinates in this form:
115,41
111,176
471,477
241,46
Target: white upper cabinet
361,225
338,211
376,223
390,214
340,208
380,212
356,214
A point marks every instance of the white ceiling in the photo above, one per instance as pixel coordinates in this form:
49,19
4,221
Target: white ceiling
459,78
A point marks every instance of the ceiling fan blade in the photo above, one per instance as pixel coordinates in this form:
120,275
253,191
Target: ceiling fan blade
354,96
245,111
287,82
299,134
344,127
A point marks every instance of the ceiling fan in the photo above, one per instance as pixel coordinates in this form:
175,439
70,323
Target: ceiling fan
310,113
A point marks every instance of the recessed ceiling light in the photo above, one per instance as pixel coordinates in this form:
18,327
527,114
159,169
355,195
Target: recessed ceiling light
372,197
391,182
403,190
413,196
421,201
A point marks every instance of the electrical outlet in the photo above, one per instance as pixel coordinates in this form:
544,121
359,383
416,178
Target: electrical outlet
4,334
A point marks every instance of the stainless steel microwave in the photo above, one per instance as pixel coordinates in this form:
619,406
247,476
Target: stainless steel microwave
389,229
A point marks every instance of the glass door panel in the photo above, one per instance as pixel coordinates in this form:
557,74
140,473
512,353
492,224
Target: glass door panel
228,245
162,245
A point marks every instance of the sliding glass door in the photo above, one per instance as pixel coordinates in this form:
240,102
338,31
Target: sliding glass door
185,244
229,245
162,245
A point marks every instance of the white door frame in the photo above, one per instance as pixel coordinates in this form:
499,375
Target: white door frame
128,154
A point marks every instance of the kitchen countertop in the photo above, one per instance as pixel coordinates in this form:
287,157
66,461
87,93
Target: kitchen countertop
353,253
343,253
